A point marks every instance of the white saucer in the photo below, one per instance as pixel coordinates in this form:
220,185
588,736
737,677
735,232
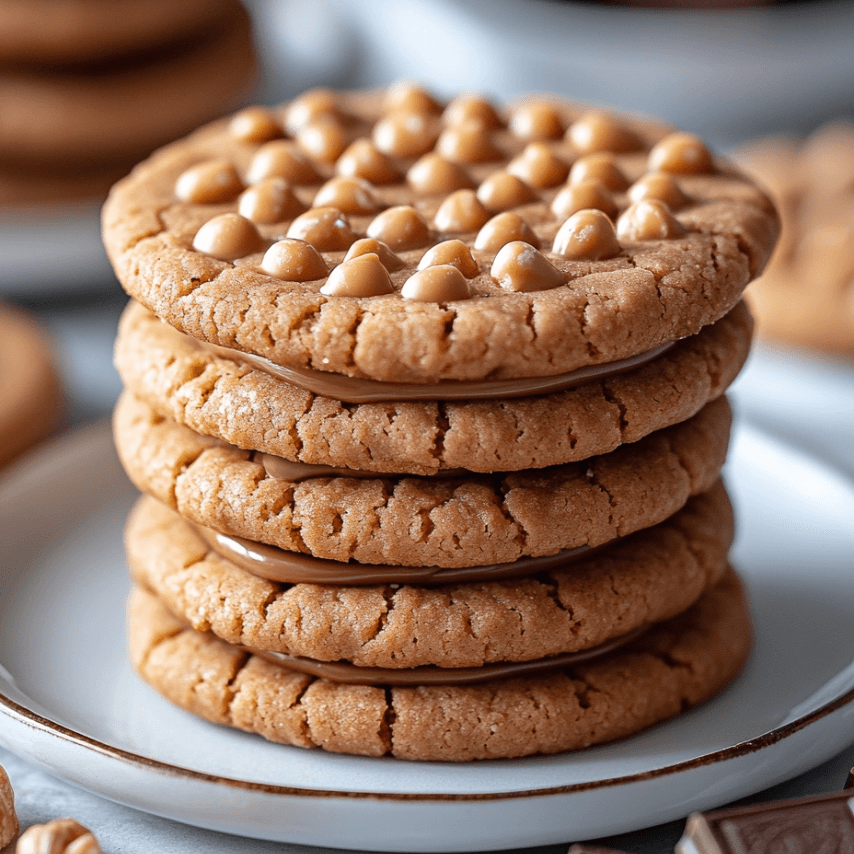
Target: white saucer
53,249
70,702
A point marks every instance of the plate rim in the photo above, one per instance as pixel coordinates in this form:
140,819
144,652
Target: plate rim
99,432
11,708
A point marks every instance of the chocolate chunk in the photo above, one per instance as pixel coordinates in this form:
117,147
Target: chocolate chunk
581,848
812,825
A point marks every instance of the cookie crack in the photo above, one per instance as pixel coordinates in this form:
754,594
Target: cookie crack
157,642
387,721
229,689
553,592
613,398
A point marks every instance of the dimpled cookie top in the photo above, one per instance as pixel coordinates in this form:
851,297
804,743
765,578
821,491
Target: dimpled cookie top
391,237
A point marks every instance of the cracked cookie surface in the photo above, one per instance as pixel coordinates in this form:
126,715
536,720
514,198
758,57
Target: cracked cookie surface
185,381
445,522
651,576
674,666
184,251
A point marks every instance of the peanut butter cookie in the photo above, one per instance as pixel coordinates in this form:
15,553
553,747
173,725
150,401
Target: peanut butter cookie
30,397
806,296
447,522
676,664
388,237
648,577
215,395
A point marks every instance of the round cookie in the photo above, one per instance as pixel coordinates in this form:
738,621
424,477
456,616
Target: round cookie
422,521
184,380
691,232
673,666
92,119
52,32
648,577
806,296
30,394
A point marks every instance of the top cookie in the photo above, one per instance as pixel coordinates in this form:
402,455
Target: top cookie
390,237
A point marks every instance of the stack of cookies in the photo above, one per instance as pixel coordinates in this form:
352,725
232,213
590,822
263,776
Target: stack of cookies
88,87
426,399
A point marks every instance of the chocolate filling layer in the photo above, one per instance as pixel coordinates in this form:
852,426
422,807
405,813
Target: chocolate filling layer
287,567
338,671
358,390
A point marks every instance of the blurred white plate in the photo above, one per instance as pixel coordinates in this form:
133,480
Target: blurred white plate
53,250
70,702
726,74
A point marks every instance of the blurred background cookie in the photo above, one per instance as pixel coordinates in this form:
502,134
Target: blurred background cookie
806,296
30,398
88,88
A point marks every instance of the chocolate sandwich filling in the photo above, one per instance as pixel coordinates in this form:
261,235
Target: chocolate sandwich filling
344,672
288,567
359,390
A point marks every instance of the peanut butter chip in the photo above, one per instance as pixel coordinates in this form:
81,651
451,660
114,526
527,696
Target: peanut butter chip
659,185
370,245
326,229
406,134
228,236
503,229
461,212
472,108
8,817
323,139
401,228
537,120
294,261
598,131
433,174
409,97
61,836
255,124
649,220
362,276
468,142
444,283
587,236
283,158
349,195
520,267
601,166
502,191
453,252
682,153
270,200
362,159
587,193
208,183
310,106
539,166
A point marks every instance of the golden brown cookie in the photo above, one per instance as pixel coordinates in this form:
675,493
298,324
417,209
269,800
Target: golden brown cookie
651,576
185,381
52,32
421,521
205,234
673,666
806,296
118,114
8,816
30,394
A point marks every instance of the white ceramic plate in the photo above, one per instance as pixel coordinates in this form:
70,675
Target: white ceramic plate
69,701
54,249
